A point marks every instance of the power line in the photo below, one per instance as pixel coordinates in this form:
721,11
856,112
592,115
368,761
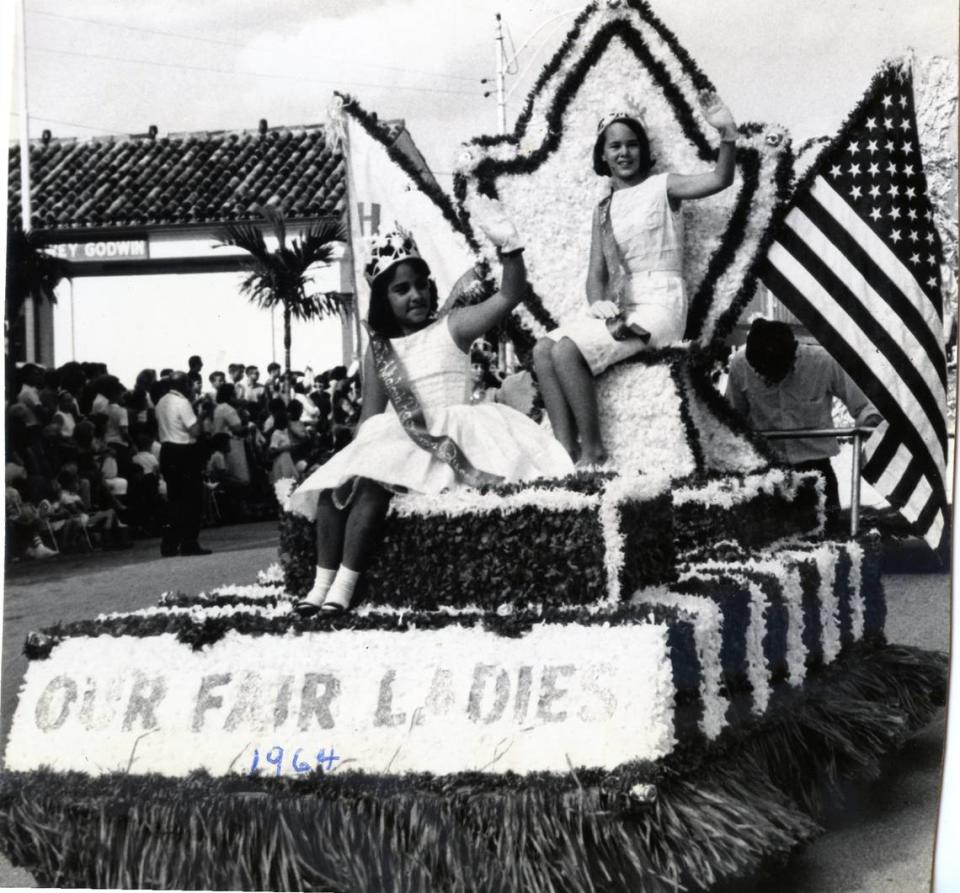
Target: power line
256,74
54,15
70,123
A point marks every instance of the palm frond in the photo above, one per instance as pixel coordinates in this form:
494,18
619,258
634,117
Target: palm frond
247,237
31,272
318,305
280,277
321,238
275,219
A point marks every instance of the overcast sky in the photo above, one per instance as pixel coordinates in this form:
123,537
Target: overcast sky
102,66
98,67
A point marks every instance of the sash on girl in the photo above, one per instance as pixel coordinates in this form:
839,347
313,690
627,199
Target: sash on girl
391,373
618,275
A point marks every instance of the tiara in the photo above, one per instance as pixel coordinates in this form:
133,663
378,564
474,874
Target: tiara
387,249
635,114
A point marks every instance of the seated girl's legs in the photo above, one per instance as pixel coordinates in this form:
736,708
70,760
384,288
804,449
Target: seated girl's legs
362,535
331,523
580,392
554,400
346,540
364,527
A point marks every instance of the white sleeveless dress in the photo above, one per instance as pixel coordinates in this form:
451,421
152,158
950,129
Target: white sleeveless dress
649,234
494,437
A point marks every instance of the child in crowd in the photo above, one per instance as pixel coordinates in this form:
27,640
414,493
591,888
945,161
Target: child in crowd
66,414
281,446
417,368
76,513
635,284
297,432
23,522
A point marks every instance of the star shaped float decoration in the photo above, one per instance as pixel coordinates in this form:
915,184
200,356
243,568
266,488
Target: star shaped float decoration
619,54
622,55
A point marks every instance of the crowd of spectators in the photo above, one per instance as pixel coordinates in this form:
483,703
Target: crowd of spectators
82,449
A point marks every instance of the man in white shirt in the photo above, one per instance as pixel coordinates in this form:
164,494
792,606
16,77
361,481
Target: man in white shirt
778,384
182,469
31,377
235,371
252,389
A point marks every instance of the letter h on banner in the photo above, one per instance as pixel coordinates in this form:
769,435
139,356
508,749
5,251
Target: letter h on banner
373,218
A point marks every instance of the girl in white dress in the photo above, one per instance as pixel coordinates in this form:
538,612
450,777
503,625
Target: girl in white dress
635,279
418,432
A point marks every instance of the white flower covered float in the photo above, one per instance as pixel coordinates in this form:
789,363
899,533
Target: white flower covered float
657,412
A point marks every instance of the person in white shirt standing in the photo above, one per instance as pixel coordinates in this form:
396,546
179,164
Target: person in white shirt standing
182,468
779,384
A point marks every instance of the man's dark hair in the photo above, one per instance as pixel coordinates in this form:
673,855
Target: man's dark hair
771,349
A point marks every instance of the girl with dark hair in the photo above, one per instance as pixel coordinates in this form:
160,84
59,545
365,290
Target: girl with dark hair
635,283
281,445
228,420
418,431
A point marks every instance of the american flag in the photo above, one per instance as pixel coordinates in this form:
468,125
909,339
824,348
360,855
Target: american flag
857,261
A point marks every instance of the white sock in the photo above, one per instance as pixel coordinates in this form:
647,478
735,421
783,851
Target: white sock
341,592
321,585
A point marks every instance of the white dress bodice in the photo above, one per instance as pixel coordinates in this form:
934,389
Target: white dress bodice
437,370
647,230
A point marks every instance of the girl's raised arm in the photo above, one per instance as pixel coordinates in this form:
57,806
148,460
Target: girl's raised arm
689,186
469,323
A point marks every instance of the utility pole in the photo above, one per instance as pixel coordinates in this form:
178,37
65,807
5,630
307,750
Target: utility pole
506,357
25,212
29,309
501,73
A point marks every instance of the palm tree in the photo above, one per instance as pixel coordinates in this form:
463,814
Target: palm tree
280,276
31,275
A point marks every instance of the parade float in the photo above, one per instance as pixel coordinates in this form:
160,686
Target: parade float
649,678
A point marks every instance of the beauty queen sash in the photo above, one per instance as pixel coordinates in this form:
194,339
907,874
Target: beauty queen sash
391,373
617,278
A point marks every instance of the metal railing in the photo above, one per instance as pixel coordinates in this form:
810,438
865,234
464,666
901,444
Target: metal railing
857,435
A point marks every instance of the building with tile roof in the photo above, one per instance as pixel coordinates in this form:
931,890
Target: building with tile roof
146,180
152,204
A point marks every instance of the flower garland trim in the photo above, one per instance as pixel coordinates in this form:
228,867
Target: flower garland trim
381,134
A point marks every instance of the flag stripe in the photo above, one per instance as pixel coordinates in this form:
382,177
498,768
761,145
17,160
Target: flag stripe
880,449
877,249
857,262
881,293
820,313
908,380
852,360
902,492
922,505
932,519
897,469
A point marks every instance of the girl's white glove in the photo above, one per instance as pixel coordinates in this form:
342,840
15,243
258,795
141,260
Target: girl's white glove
604,309
490,216
717,114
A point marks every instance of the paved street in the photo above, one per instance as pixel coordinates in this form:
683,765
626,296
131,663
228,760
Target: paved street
882,843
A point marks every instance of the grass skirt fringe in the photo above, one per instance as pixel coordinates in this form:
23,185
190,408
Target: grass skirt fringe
700,817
